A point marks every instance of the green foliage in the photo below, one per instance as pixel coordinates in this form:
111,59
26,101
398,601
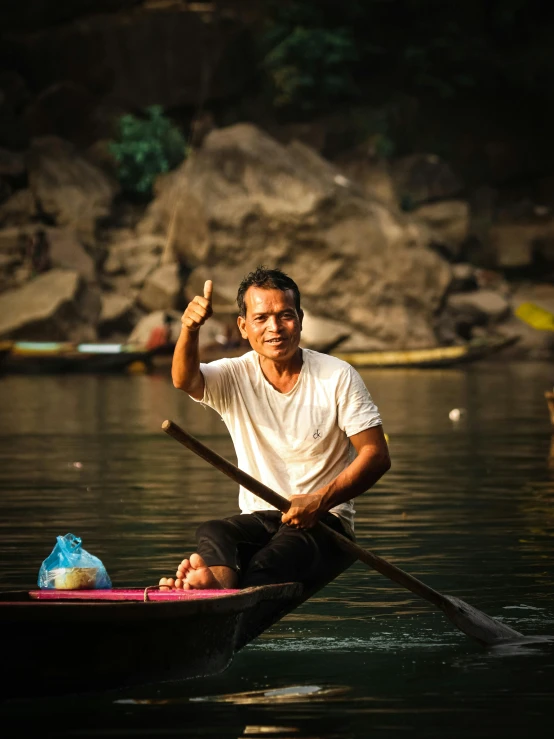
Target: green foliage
310,67
308,64
146,147
320,55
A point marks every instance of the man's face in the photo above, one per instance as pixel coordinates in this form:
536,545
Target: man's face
272,324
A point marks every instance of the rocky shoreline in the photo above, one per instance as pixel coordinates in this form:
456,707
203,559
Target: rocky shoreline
400,251
371,273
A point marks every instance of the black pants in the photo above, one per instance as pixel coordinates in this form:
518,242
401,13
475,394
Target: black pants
264,551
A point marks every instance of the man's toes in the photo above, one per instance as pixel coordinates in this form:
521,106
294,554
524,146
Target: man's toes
183,568
196,561
166,583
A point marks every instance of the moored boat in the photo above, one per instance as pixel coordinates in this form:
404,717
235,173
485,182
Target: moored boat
52,357
445,356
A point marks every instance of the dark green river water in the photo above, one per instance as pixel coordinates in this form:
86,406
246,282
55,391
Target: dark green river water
468,508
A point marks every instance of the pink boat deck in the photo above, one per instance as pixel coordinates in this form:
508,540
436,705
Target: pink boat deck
137,594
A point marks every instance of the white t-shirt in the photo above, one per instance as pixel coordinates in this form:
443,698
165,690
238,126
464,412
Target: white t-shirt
293,442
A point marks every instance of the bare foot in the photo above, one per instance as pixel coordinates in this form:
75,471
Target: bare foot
192,574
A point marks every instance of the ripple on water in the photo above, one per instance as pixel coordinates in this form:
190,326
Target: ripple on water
385,641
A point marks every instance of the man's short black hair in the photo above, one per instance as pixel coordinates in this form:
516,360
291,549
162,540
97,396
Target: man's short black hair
268,279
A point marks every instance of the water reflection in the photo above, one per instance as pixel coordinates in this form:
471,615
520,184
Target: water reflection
466,507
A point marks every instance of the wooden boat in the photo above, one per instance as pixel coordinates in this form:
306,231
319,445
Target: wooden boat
37,357
446,356
56,642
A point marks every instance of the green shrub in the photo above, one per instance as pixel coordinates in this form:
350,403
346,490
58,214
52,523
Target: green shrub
146,147
307,55
309,67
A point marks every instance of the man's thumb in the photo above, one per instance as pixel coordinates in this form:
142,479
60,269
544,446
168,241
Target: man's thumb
208,287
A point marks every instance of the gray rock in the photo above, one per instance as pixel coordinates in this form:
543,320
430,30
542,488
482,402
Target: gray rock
20,208
143,270
372,175
54,306
481,304
161,289
322,333
16,238
420,178
68,252
512,243
116,315
128,255
225,286
114,307
243,200
146,324
448,223
70,189
464,278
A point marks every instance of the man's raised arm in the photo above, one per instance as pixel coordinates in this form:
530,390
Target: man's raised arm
185,368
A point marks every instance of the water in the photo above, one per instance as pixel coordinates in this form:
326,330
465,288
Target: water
468,508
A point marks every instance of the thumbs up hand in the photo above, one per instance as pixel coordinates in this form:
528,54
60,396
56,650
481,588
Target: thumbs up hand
199,309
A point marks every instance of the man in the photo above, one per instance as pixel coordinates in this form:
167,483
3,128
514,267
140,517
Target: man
301,422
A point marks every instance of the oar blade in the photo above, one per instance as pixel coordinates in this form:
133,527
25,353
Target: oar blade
477,624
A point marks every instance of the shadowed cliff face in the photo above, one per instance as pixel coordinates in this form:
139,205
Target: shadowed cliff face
36,14
126,61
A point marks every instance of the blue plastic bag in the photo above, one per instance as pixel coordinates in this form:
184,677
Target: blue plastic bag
70,567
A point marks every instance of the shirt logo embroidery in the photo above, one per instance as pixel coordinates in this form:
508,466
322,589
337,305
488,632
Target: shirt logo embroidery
317,435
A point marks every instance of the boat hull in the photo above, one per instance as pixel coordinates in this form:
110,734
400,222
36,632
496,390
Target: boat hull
426,358
32,358
73,645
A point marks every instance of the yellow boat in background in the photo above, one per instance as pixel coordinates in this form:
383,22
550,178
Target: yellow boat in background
443,356
536,316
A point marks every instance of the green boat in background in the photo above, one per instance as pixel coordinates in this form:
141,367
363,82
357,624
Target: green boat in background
53,357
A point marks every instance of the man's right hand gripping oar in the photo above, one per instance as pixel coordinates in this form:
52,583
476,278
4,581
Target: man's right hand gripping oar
185,369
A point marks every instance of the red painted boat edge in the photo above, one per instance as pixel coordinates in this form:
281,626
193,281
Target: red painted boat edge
129,594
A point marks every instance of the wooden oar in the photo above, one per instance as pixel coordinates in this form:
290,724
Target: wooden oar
472,622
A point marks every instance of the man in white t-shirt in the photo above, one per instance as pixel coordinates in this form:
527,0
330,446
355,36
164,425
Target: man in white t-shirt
301,422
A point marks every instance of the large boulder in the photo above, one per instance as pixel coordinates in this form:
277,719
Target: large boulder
19,209
69,189
371,174
144,327
68,252
522,244
422,178
161,289
117,315
448,222
55,306
243,199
